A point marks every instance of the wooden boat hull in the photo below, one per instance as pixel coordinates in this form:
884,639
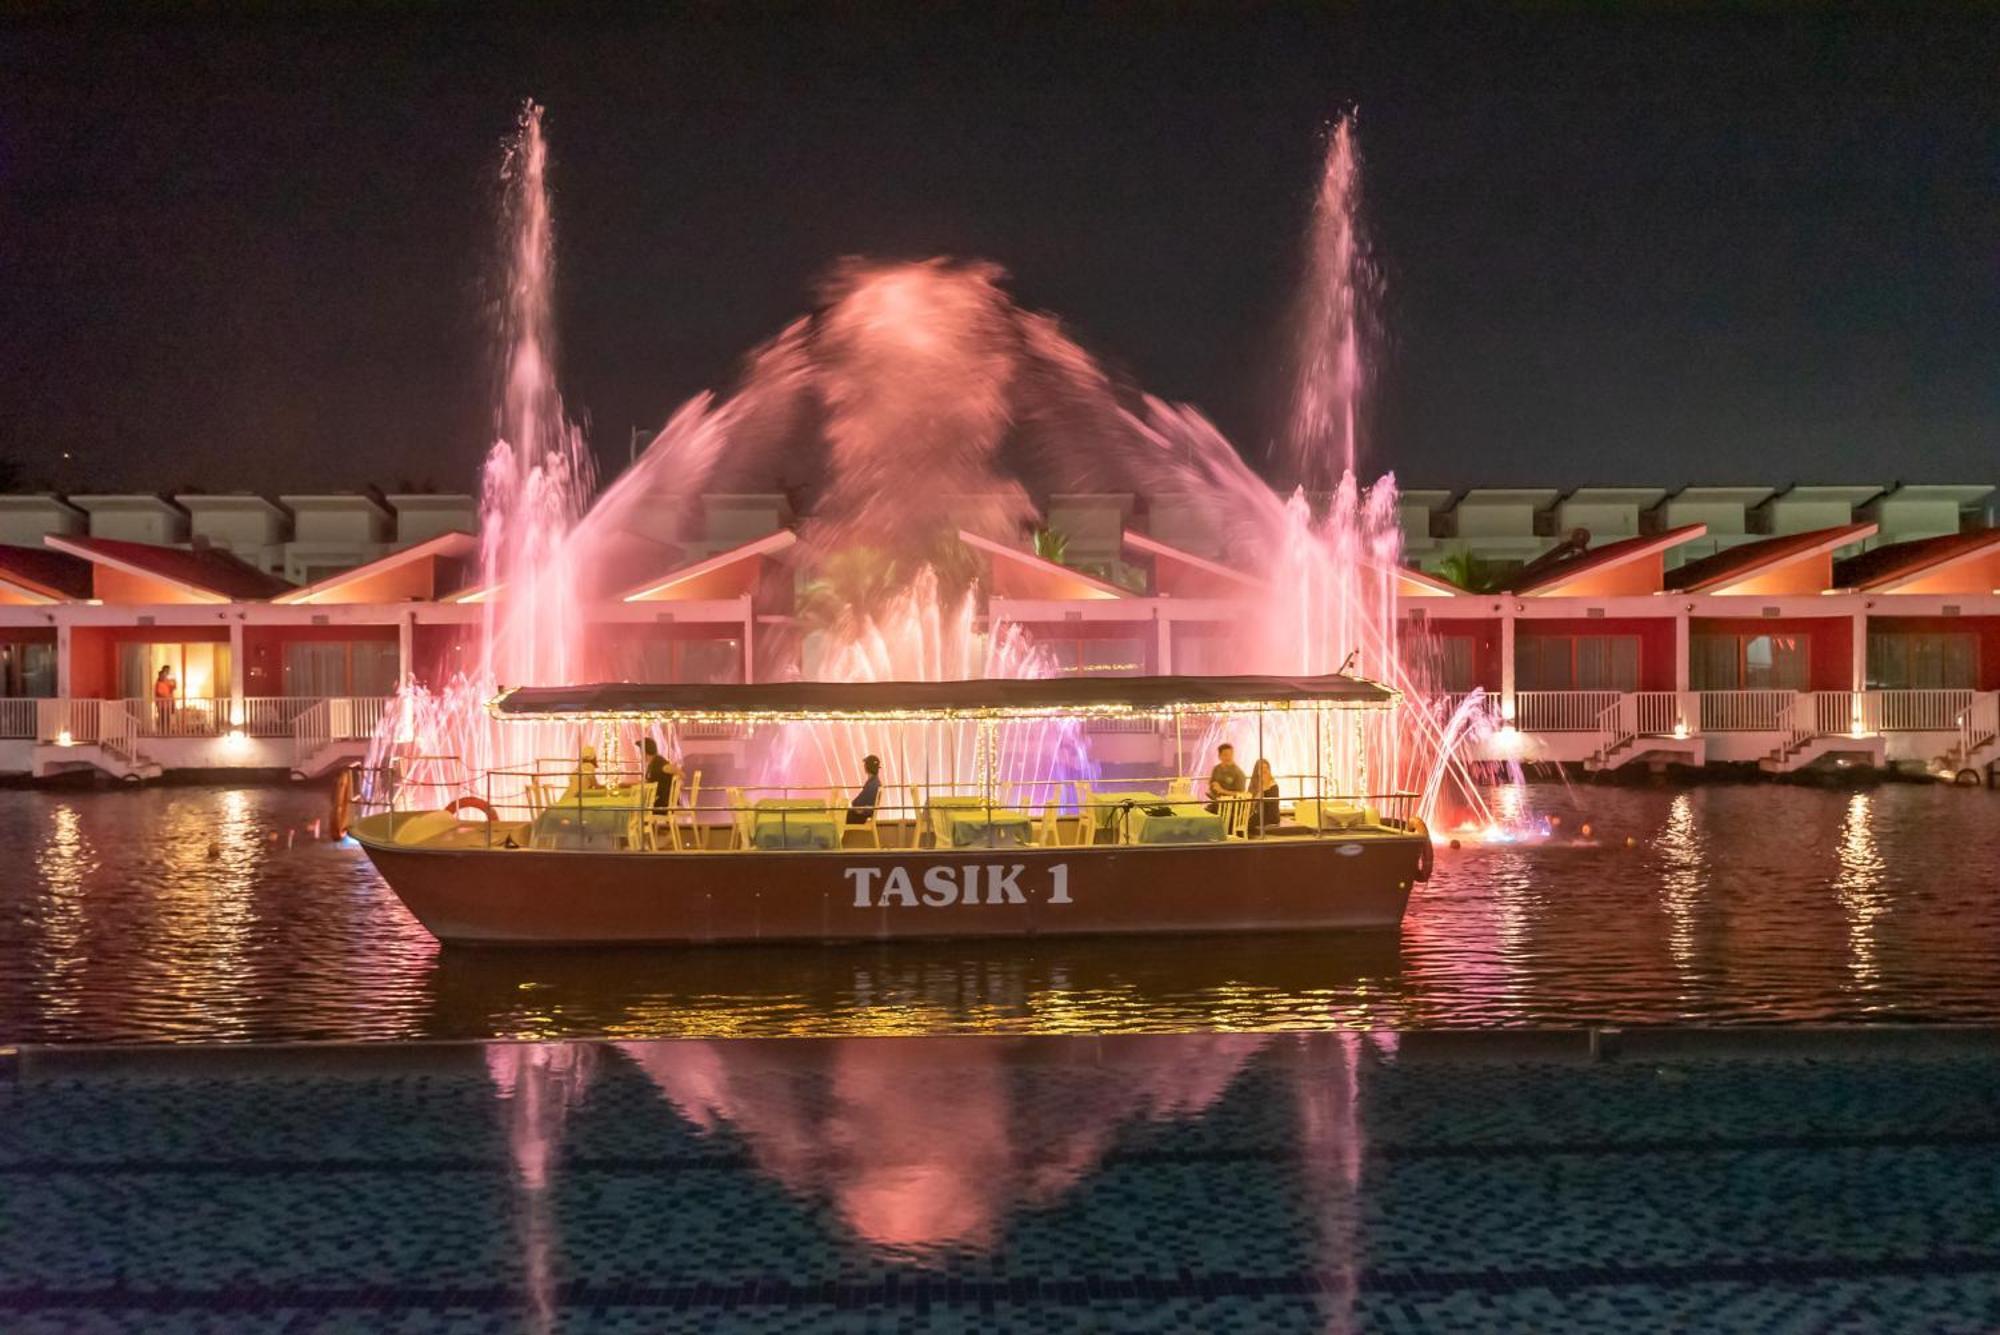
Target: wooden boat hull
492,896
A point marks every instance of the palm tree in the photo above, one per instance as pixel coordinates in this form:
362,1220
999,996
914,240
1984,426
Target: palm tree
1467,571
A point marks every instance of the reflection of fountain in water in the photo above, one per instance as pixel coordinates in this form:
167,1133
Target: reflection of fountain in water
918,402
929,1145
537,1085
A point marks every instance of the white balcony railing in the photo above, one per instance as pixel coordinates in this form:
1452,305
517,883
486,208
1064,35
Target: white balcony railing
17,717
356,718
1562,711
1915,711
1656,714
1746,711
67,722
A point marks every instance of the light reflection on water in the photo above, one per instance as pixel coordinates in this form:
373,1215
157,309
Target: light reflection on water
186,913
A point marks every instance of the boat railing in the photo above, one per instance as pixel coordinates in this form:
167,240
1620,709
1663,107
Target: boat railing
559,804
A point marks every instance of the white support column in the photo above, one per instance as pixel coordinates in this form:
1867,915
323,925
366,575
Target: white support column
1858,672
406,646
1682,646
749,641
1684,704
62,660
1507,662
1858,668
1163,646
238,668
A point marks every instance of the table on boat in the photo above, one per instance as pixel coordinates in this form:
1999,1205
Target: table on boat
793,822
1179,823
967,822
597,818
1108,810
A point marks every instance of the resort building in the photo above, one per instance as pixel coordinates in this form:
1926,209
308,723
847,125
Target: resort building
1803,627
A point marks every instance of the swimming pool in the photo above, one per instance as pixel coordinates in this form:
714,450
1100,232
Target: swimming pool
1532,1180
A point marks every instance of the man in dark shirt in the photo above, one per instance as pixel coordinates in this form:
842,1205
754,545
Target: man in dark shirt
660,772
862,809
1226,779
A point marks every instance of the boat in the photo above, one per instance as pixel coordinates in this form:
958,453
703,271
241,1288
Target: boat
982,850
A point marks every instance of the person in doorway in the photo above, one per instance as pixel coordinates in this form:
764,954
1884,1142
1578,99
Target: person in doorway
862,809
164,687
1263,799
1226,779
662,773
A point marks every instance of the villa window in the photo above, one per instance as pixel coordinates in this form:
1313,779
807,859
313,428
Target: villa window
1923,661
1576,663
201,671
1749,663
1204,650
27,668
702,661
335,668
1444,662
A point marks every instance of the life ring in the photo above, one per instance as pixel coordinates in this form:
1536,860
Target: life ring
1426,853
459,804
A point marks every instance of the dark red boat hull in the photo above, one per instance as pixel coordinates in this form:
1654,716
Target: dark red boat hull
534,897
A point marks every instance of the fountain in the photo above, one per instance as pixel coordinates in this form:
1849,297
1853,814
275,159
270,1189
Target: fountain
915,404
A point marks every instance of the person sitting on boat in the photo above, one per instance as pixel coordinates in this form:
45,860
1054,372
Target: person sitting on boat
585,778
862,809
1226,779
1264,798
662,773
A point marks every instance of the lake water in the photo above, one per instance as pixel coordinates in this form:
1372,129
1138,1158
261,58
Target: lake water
197,913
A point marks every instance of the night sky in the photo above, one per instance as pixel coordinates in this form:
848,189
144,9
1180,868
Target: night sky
1755,244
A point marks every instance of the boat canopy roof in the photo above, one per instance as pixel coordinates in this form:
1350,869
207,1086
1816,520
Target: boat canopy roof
1096,697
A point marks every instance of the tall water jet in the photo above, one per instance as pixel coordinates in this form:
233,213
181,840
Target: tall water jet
538,477
536,485
1322,434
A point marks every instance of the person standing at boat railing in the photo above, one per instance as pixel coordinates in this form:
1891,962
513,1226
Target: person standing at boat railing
1226,779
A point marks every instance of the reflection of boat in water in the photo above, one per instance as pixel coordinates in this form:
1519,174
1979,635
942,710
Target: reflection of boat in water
993,857
1012,986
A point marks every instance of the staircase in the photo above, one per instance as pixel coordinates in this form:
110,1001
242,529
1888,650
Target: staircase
1648,724
1816,726
1973,756
333,734
100,735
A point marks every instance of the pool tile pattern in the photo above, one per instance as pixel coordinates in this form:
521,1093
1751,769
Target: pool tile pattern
1214,1183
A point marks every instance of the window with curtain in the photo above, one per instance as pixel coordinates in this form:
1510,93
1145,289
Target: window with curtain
333,668
27,668
1749,663
1923,661
1576,663
200,671
707,661
1200,650
1444,662
711,662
